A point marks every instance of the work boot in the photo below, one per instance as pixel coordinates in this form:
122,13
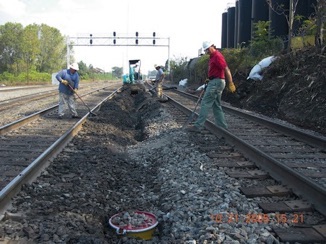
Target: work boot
75,117
193,129
163,99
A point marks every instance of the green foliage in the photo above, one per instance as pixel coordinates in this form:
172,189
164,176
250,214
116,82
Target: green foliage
38,76
264,49
201,68
8,77
305,35
178,68
30,47
261,31
52,49
38,48
10,47
261,44
83,69
88,73
117,72
300,42
202,65
32,77
308,27
238,59
31,54
106,76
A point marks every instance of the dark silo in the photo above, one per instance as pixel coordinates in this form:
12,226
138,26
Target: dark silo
230,29
259,12
279,25
224,30
236,22
244,22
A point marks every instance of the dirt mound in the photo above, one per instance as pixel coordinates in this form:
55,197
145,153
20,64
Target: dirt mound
124,116
293,89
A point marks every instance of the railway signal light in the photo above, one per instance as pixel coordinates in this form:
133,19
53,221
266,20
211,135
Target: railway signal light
137,37
90,39
154,34
114,35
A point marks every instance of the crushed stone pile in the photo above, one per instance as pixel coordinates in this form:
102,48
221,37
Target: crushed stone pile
132,156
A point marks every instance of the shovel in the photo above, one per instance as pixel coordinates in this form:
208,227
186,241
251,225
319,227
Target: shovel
89,110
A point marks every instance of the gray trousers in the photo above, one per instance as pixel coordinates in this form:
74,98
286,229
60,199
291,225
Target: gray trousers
159,88
212,100
68,100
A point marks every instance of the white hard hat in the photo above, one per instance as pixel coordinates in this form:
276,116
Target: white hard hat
207,44
74,66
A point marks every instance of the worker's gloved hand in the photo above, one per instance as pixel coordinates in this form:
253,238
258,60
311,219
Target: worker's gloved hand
231,87
206,81
65,82
74,91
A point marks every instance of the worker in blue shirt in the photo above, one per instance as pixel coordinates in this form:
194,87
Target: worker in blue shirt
69,81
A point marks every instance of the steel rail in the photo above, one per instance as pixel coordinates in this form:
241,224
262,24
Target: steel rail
10,89
29,97
301,185
295,133
287,130
36,167
18,123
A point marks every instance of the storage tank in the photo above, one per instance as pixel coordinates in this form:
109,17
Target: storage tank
230,29
236,27
278,25
259,11
224,30
244,22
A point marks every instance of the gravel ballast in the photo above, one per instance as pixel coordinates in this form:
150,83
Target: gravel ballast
133,156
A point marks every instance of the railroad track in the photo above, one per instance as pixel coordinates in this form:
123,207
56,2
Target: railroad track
20,103
264,149
44,93
240,157
9,103
28,145
17,88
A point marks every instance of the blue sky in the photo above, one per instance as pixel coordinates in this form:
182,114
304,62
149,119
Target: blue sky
186,23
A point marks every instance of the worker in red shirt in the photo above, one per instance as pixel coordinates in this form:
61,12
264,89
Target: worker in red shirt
218,70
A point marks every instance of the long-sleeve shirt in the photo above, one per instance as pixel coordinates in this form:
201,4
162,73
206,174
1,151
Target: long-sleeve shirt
159,74
73,80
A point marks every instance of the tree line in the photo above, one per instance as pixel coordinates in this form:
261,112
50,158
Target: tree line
33,53
30,50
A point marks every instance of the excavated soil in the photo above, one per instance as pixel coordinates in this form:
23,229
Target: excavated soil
91,180
131,156
293,89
